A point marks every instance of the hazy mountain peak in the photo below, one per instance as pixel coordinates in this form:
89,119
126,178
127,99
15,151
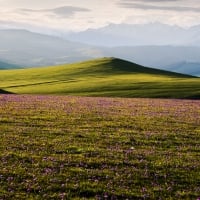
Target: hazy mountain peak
125,34
26,48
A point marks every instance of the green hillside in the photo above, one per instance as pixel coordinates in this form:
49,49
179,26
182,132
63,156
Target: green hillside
100,77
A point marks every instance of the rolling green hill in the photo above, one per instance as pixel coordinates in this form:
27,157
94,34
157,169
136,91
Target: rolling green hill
100,77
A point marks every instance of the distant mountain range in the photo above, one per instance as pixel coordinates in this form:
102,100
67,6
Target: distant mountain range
185,67
24,48
4,65
138,35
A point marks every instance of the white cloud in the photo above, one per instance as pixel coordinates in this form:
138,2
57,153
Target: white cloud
63,12
79,15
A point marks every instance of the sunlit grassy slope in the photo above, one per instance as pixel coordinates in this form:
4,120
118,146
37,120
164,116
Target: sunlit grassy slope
100,77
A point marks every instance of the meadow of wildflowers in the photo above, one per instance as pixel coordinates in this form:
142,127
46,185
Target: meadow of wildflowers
60,147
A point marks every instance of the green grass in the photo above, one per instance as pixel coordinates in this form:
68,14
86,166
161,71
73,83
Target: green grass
60,147
100,77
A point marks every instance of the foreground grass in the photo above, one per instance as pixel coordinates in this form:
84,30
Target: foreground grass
98,148
101,77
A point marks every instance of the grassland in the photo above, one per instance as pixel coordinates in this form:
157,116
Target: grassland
65,147
58,147
101,77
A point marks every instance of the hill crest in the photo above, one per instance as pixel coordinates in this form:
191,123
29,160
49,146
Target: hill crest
100,77
117,65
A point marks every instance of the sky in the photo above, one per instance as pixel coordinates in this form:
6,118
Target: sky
79,15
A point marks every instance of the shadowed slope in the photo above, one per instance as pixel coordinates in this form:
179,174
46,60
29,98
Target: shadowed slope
119,66
101,77
4,92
